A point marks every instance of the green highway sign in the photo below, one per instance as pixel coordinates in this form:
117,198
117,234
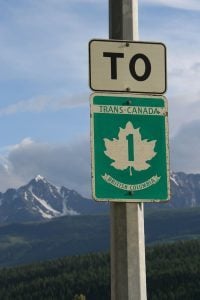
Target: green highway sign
129,141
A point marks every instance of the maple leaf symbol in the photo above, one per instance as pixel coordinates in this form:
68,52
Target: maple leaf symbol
129,150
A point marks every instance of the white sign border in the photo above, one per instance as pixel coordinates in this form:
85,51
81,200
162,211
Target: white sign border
128,90
131,200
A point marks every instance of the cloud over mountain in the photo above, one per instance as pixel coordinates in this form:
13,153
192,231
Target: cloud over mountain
185,147
67,165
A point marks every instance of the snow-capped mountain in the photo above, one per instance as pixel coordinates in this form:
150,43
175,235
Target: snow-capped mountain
185,190
41,200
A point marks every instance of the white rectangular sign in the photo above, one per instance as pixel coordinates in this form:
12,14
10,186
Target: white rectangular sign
118,66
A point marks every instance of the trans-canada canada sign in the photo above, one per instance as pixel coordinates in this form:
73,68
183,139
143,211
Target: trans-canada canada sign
129,141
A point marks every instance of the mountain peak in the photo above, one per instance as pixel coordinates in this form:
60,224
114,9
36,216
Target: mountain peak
40,200
36,201
39,177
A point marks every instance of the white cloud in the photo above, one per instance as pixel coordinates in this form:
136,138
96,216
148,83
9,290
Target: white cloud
185,149
45,103
181,4
181,112
179,31
67,165
31,105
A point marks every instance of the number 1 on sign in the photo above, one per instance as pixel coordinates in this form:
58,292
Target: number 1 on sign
130,140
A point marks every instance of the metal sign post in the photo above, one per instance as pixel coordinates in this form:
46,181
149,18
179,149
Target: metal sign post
128,271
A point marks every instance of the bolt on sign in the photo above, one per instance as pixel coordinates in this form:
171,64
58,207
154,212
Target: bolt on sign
127,66
129,142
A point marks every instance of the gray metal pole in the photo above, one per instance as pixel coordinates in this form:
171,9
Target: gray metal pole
128,270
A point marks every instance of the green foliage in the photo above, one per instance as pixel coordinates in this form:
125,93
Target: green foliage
173,273
61,279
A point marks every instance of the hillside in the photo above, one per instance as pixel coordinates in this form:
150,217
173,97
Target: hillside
173,272
171,225
71,235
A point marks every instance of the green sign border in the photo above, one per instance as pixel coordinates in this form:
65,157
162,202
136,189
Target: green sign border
116,99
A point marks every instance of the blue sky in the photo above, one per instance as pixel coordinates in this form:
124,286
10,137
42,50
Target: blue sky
44,93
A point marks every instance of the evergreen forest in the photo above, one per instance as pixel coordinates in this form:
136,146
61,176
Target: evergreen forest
173,273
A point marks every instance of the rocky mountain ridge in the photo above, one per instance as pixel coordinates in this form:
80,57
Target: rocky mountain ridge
41,200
